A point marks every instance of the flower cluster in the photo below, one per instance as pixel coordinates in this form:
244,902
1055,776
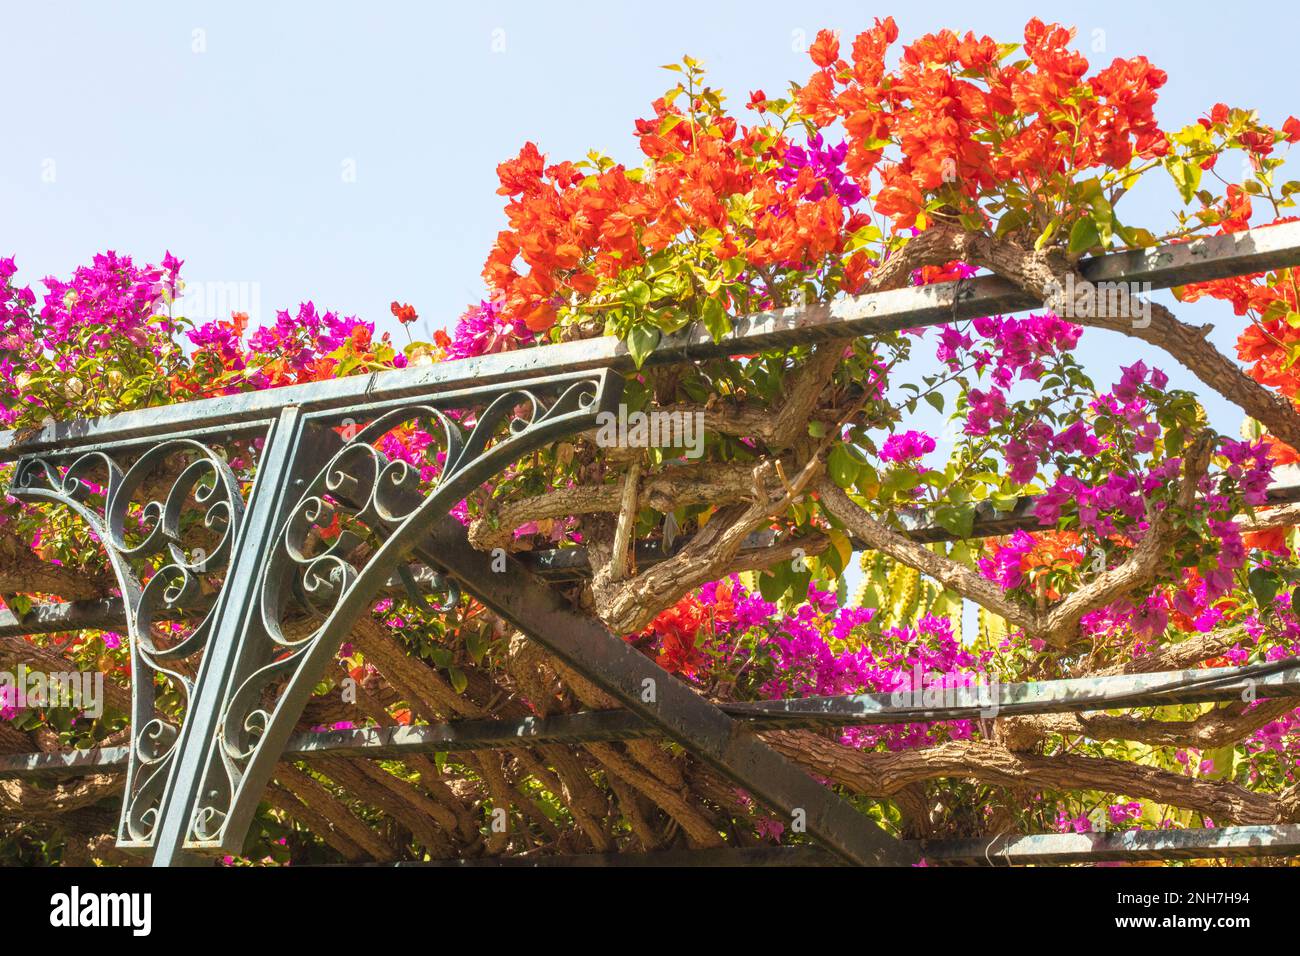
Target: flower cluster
964,121
96,343
723,632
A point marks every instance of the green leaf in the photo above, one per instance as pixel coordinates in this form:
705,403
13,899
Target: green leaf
458,680
638,294
843,468
1135,236
959,519
901,479
840,552
715,319
641,341
773,584
1264,585
1187,177
1084,236
1046,235
477,643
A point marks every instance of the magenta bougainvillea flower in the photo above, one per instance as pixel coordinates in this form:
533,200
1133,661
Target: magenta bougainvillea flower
907,446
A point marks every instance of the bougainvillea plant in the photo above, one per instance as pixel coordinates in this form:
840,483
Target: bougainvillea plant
889,165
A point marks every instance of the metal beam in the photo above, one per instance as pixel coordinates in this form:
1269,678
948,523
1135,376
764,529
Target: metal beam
649,691
1238,253
64,763
281,461
1073,695
1119,691
1009,850
106,614
1062,848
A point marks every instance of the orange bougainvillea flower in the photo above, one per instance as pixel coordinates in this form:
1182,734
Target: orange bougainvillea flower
825,50
359,337
1236,210
1270,342
678,629
521,174
1281,453
1270,539
540,318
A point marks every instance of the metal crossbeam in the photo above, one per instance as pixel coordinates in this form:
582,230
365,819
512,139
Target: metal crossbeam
1074,695
1215,257
1129,845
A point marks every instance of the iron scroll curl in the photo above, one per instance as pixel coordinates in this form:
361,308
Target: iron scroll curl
161,575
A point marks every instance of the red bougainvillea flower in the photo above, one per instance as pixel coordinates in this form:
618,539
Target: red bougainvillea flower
405,313
677,630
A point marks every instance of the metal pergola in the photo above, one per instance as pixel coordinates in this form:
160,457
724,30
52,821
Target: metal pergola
192,788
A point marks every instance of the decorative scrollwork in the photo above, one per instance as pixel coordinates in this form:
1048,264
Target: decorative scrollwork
350,531
167,526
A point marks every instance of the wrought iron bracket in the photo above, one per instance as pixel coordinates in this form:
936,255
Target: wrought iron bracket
321,548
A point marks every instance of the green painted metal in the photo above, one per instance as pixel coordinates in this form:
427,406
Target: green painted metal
357,480
206,477
281,462
1118,846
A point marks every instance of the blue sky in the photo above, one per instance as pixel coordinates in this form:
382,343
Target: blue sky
345,152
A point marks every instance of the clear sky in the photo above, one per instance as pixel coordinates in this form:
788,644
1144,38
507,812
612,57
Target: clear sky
345,152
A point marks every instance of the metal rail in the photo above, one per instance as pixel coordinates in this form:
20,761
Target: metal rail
1215,257
1072,695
